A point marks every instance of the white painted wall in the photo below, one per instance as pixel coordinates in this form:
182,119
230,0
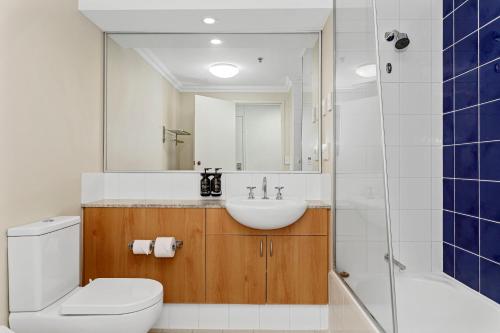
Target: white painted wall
50,113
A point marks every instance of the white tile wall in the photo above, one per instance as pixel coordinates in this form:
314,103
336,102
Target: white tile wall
92,187
243,317
185,185
416,161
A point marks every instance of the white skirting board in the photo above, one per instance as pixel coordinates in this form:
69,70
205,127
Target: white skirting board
244,317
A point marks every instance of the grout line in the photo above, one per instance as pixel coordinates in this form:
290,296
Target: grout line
479,139
478,23
454,150
470,252
471,70
475,105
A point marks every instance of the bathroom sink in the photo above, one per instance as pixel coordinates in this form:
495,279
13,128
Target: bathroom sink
266,214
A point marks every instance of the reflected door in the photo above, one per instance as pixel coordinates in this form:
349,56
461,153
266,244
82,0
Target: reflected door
215,131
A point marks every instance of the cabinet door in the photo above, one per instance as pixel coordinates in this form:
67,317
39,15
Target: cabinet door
297,270
236,269
107,231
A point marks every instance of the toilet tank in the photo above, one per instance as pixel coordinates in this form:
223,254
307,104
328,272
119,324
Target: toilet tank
44,262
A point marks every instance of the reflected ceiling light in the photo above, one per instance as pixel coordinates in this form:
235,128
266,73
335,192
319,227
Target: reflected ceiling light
209,20
216,41
223,70
367,71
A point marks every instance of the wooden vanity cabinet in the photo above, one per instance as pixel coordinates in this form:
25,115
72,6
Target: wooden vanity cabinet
221,261
291,269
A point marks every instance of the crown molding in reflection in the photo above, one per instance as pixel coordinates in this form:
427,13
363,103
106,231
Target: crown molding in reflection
236,89
154,62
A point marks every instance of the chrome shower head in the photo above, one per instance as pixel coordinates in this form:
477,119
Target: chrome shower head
401,39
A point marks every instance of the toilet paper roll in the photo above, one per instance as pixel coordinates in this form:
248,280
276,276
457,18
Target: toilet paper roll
141,246
165,247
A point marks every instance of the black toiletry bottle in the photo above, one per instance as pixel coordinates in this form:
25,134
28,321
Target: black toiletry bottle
217,184
205,190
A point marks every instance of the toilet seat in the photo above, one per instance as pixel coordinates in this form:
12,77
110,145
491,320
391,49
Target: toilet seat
113,297
93,309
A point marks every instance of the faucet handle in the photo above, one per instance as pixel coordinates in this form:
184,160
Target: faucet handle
279,195
250,193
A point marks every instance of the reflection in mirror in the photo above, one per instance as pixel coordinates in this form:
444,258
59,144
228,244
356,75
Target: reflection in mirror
242,102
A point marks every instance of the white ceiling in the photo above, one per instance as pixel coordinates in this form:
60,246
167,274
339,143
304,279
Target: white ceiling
186,15
184,59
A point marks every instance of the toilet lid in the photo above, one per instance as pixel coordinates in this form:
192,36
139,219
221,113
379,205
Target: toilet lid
113,296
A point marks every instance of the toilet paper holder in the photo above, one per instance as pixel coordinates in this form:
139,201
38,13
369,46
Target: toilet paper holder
178,244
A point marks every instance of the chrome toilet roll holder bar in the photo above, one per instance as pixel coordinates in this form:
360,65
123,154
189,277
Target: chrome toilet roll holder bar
178,244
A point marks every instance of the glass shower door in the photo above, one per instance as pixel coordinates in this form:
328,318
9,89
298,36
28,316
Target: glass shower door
363,244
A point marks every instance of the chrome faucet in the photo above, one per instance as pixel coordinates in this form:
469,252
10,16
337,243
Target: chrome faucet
264,188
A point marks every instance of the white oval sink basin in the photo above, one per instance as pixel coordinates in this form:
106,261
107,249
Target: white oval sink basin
266,214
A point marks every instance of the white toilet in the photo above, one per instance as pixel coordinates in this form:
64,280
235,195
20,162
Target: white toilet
44,292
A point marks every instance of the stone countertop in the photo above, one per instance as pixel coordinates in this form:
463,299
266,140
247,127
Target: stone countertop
152,203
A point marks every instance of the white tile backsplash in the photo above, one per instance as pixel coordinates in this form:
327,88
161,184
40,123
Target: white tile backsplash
92,187
132,185
186,185
294,186
157,186
236,184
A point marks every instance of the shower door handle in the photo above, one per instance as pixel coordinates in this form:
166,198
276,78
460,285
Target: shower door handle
396,262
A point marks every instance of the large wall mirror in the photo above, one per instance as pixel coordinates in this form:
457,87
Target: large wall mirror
240,102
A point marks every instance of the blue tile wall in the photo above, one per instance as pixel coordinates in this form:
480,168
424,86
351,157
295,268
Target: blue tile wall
471,144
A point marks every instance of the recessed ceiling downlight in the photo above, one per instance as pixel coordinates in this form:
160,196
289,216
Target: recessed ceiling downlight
216,41
209,20
224,71
367,71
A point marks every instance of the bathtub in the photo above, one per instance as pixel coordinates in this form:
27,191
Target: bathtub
429,303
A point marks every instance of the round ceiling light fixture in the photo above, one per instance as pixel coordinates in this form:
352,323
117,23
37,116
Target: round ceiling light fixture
209,20
368,71
216,41
224,70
